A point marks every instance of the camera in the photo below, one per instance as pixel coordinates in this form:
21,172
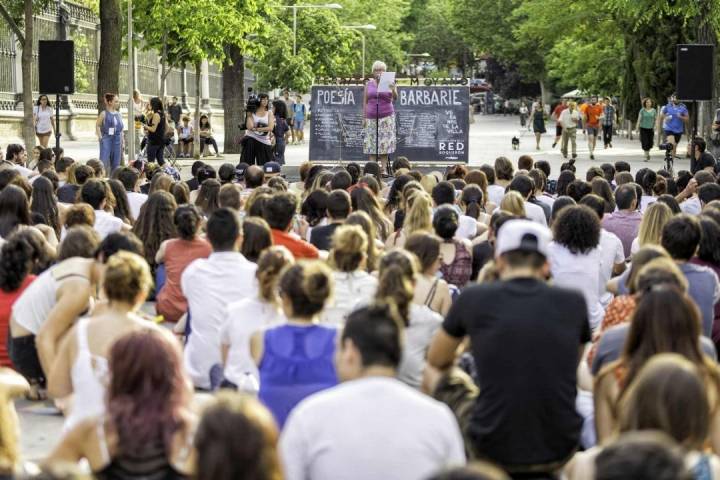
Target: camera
253,102
668,148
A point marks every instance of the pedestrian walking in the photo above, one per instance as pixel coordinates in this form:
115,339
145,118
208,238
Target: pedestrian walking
556,116
608,119
591,121
569,119
645,125
538,123
523,115
673,117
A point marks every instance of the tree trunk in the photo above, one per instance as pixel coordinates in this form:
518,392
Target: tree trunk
196,121
28,130
233,78
108,78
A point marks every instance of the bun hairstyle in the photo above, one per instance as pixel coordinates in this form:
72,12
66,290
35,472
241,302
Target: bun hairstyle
308,286
472,198
187,221
397,279
271,264
349,247
127,275
446,222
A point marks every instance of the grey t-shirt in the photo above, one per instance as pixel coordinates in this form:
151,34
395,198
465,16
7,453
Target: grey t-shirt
613,341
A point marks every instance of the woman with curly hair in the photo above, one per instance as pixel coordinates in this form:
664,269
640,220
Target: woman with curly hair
20,258
147,429
575,259
155,223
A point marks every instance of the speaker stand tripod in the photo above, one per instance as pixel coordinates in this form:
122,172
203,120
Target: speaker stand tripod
57,124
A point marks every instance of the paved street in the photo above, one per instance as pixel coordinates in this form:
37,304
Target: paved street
490,137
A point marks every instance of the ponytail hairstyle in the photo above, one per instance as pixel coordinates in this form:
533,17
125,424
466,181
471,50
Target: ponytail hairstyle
349,248
472,199
397,281
308,286
271,264
19,257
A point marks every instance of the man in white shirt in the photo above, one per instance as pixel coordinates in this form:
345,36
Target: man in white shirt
569,119
130,177
93,193
372,426
612,253
495,192
210,285
524,185
688,198
18,156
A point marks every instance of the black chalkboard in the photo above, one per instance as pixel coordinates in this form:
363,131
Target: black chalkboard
432,123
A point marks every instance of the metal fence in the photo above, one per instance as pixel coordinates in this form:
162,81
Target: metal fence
84,29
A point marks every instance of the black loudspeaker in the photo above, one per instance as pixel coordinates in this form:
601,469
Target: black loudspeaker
56,66
695,72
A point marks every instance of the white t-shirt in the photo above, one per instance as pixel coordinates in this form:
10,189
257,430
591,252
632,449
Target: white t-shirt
612,253
547,199
691,206
210,285
24,171
136,201
495,193
44,119
106,223
351,289
242,319
581,272
467,227
646,201
423,325
535,213
370,428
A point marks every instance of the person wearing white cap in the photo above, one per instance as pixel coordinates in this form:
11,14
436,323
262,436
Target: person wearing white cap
526,338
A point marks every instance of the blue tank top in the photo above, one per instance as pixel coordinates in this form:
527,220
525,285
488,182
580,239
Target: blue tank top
112,120
297,362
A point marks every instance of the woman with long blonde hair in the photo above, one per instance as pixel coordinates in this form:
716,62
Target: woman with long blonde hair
656,216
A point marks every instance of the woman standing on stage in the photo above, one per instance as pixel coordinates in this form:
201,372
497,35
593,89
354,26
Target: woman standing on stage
379,118
646,126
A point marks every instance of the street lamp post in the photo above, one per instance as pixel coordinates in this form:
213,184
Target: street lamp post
131,86
362,35
334,6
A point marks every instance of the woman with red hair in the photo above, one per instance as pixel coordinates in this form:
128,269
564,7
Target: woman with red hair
146,431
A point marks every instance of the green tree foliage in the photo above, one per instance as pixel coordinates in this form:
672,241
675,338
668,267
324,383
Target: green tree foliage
324,49
435,35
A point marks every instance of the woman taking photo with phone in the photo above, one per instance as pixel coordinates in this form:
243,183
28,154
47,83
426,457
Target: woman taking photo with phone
256,145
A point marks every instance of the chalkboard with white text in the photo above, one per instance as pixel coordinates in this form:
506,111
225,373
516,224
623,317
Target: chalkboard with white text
432,123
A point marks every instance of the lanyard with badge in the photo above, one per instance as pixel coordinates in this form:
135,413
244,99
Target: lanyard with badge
111,130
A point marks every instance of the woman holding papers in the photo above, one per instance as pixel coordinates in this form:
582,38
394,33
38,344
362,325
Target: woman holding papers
380,93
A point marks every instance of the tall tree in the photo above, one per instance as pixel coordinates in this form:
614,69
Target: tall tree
18,14
108,74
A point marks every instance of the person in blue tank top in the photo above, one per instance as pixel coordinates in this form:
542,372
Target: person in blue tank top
296,360
109,130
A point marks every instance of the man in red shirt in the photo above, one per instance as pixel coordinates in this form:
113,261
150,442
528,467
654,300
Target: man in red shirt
279,212
556,116
591,120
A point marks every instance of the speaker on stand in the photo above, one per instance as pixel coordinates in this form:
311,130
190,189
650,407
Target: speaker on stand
695,78
56,73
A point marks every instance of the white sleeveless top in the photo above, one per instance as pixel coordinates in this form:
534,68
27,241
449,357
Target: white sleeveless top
265,122
44,119
89,375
